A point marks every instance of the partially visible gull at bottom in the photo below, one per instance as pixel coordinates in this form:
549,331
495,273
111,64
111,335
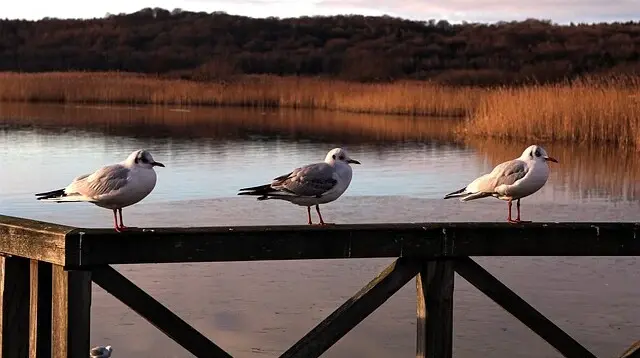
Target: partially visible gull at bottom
100,352
310,185
113,186
511,180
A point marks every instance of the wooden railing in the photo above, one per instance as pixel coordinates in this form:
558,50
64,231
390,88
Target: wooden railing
47,271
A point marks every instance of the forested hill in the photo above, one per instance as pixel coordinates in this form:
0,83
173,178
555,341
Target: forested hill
214,45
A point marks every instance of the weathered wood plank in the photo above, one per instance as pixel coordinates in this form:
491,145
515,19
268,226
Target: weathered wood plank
434,287
355,310
156,313
71,312
632,352
14,320
33,239
425,240
519,308
40,315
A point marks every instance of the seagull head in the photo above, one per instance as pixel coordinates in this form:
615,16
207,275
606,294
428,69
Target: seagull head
537,153
337,155
142,158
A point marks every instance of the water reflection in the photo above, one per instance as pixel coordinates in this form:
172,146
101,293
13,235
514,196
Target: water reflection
226,123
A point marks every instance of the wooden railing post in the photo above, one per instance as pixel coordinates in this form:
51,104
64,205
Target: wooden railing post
71,311
14,293
434,311
40,316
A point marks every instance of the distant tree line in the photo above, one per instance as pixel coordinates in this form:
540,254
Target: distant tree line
209,46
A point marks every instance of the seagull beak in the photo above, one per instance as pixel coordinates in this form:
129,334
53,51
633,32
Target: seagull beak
352,161
157,164
550,159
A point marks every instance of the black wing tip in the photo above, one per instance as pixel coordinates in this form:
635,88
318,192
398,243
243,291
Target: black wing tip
260,190
261,196
259,187
50,194
455,193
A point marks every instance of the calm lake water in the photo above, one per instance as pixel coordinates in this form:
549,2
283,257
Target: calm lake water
260,308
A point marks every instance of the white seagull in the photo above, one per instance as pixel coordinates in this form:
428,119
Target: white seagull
101,352
312,184
511,180
113,186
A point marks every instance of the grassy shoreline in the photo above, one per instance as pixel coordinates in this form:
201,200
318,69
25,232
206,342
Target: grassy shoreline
596,110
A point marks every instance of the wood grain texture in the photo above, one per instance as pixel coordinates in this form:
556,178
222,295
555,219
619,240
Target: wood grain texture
33,239
71,311
434,310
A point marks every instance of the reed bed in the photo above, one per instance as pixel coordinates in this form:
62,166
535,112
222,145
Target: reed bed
589,111
404,98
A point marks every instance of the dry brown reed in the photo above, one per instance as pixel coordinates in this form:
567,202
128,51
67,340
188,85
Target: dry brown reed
584,111
590,110
405,98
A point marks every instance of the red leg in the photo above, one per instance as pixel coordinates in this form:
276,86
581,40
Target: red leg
115,221
320,216
121,222
518,219
509,215
309,214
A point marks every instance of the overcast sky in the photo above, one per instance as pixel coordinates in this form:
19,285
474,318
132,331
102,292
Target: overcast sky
561,11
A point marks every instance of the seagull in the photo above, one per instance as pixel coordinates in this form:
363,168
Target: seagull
511,180
312,184
113,186
101,352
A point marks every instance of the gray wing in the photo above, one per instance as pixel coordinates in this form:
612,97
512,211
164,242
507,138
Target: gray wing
506,173
310,180
511,172
104,181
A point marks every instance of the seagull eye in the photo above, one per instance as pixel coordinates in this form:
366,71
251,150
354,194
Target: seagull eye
537,153
334,157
